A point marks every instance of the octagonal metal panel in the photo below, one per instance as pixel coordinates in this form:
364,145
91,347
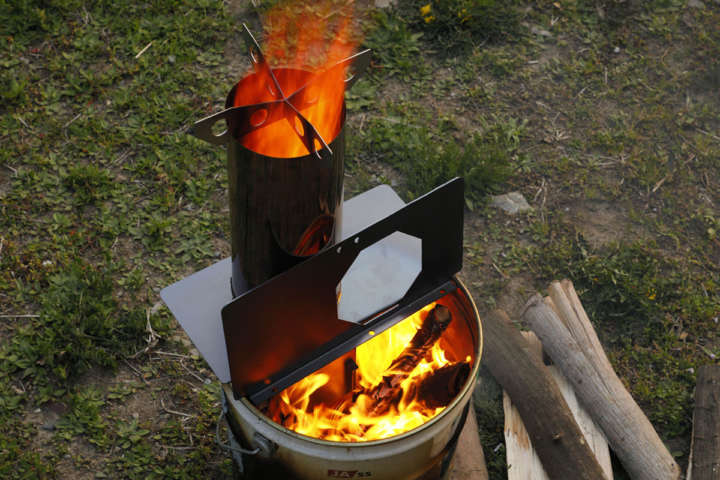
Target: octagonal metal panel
379,277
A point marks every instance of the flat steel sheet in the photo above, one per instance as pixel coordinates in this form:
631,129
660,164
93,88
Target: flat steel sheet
196,301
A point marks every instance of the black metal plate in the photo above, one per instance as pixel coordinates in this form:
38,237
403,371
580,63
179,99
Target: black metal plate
286,328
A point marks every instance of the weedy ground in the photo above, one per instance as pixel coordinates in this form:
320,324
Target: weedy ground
604,114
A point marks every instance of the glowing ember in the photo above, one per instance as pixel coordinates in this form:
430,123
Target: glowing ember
387,399
311,38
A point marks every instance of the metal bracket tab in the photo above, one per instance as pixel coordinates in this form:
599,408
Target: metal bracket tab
242,120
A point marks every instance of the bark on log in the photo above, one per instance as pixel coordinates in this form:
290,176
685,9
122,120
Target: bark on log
593,435
705,450
523,462
571,312
572,344
559,442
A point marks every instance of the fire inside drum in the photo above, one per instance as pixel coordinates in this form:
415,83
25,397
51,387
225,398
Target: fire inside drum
391,384
418,453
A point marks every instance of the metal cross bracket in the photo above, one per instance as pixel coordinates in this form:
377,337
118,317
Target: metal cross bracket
244,119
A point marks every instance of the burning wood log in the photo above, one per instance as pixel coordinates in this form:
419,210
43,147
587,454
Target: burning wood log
380,399
558,440
433,326
522,460
388,393
705,455
571,342
438,388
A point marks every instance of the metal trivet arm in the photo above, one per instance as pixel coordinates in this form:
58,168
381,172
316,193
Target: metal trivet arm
244,119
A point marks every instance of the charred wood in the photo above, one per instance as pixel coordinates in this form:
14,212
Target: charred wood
432,328
388,392
438,388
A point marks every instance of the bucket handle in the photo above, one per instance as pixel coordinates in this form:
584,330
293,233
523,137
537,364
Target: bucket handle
227,446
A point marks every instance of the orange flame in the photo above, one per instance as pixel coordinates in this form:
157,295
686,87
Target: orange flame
357,419
308,38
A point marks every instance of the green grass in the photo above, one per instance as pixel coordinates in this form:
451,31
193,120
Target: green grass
396,47
79,326
105,199
427,157
645,307
587,108
463,23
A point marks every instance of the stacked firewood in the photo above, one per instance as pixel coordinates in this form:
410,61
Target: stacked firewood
564,445
560,418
